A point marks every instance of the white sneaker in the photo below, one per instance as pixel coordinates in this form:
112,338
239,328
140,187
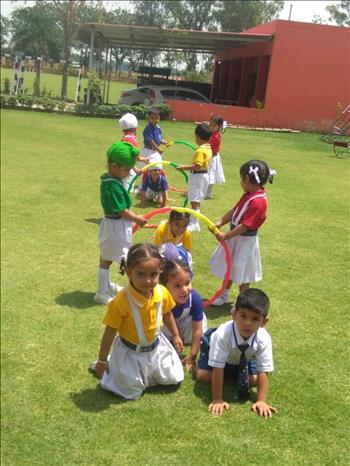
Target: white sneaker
223,299
114,289
102,298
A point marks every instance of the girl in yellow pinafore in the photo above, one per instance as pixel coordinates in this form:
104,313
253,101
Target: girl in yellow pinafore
141,355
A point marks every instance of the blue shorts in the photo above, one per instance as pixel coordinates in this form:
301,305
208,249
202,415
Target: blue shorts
230,369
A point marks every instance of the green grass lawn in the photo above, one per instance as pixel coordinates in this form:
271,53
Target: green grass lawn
53,82
53,410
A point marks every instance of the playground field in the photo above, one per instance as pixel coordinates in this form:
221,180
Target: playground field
53,82
53,410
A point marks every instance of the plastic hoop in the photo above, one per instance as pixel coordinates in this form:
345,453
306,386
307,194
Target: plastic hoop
163,210
163,162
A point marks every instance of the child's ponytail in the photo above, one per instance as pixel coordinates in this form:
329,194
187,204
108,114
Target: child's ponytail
258,172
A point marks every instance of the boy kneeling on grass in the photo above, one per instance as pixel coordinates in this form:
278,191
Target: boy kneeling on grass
241,350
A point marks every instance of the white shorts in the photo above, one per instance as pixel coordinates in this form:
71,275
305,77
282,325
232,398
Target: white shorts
115,238
130,373
245,256
197,186
184,327
153,156
216,172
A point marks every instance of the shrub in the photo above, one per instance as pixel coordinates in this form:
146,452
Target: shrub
6,89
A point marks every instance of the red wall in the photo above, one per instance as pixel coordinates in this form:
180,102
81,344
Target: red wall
308,80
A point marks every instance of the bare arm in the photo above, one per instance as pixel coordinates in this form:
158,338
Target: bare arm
225,219
154,146
192,167
169,321
238,230
197,330
261,407
218,405
130,215
106,343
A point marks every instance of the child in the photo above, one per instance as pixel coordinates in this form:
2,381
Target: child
216,172
128,124
189,311
153,138
245,219
174,230
229,348
198,180
115,229
141,355
154,187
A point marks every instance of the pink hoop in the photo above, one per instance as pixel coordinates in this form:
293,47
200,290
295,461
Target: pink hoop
208,302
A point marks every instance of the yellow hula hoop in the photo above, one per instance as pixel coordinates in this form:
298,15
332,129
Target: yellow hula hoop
200,216
161,162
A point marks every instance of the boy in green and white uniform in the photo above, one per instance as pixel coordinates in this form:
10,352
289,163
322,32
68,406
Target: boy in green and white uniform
116,228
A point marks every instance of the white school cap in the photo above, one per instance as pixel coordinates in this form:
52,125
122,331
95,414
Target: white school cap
128,121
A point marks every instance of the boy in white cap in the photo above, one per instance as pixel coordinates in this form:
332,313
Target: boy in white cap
116,228
128,123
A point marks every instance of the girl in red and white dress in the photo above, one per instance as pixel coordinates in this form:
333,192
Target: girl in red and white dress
215,172
245,218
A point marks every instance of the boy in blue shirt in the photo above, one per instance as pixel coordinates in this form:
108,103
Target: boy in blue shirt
154,186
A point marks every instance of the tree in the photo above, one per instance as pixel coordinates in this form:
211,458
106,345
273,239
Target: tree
34,31
239,15
340,13
5,30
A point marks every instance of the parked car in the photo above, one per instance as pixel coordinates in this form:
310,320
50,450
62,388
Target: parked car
158,94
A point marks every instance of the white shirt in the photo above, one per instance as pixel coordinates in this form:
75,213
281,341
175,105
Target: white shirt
223,347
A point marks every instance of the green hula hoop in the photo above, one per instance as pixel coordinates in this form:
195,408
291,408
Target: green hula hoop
164,162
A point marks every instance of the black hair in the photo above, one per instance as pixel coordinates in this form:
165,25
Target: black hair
257,171
174,215
153,110
203,131
171,267
218,120
254,300
138,253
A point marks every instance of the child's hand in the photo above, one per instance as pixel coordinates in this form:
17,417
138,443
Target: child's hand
263,409
101,368
177,342
180,168
189,362
141,220
217,407
138,171
220,236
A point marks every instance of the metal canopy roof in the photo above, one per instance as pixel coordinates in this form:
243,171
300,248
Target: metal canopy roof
141,37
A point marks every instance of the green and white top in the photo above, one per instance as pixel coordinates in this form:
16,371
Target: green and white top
114,197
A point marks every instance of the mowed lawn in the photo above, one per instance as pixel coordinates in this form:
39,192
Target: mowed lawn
52,83
53,410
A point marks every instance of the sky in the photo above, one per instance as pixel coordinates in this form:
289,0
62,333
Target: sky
301,10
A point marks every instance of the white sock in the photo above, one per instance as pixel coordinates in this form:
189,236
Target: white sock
103,281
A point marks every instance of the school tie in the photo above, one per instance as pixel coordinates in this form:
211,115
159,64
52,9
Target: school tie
243,375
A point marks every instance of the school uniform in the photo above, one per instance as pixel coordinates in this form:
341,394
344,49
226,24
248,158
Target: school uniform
219,348
141,355
245,250
115,234
216,172
186,314
131,139
198,179
164,234
152,188
152,133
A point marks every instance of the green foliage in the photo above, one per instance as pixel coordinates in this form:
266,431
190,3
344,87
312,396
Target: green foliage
36,86
340,13
6,88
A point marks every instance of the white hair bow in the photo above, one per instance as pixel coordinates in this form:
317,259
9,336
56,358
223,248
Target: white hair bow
255,171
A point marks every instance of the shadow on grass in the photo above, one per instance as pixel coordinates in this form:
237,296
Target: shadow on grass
77,299
203,391
214,312
97,221
95,400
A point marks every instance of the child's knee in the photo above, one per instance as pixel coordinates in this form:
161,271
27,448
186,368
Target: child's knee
203,375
